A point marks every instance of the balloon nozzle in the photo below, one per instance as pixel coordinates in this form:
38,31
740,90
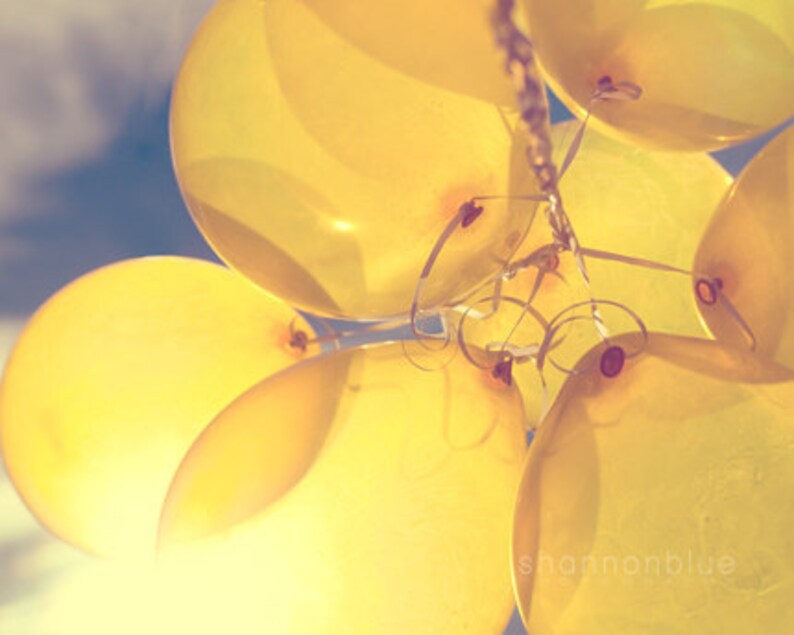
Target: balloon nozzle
612,361
708,290
503,371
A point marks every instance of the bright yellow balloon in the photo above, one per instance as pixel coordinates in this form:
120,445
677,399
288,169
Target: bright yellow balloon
448,43
326,176
658,501
748,247
631,202
644,204
394,513
113,379
712,72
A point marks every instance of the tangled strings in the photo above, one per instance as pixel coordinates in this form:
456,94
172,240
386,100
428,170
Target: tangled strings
499,356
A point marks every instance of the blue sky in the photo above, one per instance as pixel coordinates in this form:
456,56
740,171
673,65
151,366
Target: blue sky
86,179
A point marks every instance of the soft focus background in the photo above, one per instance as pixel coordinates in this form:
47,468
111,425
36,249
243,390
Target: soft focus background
85,179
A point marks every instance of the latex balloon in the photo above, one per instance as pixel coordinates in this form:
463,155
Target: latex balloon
655,497
712,72
326,176
622,200
634,203
447,43
748,249
113,379
398,488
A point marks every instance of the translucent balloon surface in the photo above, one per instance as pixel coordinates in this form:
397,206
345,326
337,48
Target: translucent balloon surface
749,248
658,500
401,521
644,204
712,72
622,201
447,43
325,175
113,379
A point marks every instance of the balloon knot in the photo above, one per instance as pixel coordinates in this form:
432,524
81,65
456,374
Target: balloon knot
299,340
605,83
708,290
470,212
606,89
504,371
612,361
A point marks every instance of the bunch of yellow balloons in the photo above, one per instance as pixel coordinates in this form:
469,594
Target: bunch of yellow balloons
366,161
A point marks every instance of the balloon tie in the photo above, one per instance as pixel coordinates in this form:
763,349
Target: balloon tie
612,361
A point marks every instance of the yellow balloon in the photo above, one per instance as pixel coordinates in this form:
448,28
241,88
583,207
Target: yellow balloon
712,72
392,513
113,379
748,248
326,176
448,43
637,203
643,204
658,499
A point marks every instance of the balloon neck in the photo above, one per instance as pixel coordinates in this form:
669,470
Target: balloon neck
503,371
299,341
609,90
708,290
469,212
612,361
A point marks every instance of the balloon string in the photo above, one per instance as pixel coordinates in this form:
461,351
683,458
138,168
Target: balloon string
458,219
607,91
336,337
631,260
737,317
713,286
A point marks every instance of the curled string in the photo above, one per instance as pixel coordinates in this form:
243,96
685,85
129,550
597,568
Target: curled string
563,318
507,351
541,258
416,364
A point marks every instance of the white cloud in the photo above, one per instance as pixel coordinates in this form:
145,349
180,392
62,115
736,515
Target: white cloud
70,70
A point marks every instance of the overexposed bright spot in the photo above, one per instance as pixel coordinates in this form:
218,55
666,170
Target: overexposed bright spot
343,226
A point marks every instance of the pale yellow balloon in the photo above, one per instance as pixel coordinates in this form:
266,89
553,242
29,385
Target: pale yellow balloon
658,500
448,43
636,203
392,513
113,379
712,72
623,200
325,175
748,248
